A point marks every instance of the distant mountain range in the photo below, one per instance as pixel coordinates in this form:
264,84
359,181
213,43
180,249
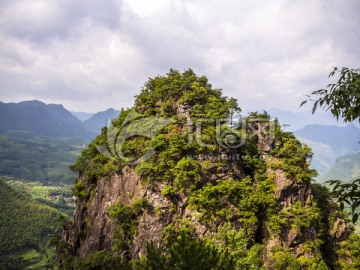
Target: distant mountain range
297,120
343,140
51,120
329,143
100,119
328,138
82,116
48,120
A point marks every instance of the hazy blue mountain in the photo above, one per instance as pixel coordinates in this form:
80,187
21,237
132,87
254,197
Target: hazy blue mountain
329,143
297,120
100,119
343,140
328,138
82,116
48,120
345,168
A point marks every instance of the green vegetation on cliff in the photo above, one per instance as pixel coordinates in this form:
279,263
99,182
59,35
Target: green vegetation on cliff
236,194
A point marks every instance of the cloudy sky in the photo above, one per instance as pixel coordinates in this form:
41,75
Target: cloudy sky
90,55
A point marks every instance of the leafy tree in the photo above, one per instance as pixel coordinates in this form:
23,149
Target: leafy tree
347,193
187,174
343,100
186,251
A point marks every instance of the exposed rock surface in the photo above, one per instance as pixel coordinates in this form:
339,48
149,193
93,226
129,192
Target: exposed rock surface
287,193
340,231
93,217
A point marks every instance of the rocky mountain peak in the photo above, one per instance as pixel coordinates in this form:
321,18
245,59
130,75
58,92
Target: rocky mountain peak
200,193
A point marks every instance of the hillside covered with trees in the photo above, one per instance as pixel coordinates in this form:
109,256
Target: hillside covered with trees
346,168
175,183
26,156
25,228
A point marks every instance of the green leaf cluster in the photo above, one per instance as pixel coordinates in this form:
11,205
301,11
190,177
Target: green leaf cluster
296,217
348,193
341,98
293,159
183,250
102,260
349,253
162,95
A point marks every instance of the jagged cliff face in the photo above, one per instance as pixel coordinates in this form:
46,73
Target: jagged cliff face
256,189
93,217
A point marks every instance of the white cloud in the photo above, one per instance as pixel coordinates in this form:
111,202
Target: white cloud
90,55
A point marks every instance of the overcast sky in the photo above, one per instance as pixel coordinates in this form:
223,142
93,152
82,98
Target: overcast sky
92,55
